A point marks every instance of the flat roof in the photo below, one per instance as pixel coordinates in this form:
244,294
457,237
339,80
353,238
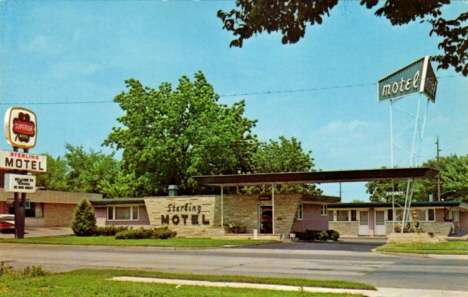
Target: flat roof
389,204
317,177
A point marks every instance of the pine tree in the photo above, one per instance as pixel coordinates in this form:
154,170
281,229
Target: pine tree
84,220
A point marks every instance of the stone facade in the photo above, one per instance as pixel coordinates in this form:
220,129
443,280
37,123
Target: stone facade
345,228
439,228
413,238
190,216
58,215
244,211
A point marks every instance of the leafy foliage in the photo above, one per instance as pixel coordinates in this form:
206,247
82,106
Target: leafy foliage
169,135
454,182
283,156
84,220
55,177
291,18
156,233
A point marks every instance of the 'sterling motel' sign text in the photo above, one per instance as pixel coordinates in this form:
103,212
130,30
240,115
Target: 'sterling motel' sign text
20,183
22,161
418,77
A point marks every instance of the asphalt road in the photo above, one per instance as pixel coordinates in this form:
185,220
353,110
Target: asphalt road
303,260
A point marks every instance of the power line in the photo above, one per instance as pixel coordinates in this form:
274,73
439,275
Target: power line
225,95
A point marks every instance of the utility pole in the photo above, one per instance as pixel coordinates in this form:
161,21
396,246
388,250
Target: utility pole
438,168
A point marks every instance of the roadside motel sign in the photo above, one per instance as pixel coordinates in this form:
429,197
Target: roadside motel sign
21,127
22,161
20,183
418,77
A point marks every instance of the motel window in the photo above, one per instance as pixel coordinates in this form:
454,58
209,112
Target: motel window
122,213
390,215
431,215
324,210
300,211
353,215
421,214
454,215
342,215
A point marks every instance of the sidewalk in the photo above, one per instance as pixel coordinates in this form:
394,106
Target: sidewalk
381,292
41,232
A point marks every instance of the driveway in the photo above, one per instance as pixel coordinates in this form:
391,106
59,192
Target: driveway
346,244
40,232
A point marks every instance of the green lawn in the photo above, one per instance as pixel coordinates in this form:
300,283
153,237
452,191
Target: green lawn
452,248
110,240
97,283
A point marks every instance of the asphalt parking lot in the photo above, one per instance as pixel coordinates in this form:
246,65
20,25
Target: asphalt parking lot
40,232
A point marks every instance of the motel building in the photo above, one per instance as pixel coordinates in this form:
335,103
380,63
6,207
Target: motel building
279,215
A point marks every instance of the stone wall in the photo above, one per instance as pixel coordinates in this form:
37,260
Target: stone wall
244,211
439,228
397,238
345,228
190,216
58,215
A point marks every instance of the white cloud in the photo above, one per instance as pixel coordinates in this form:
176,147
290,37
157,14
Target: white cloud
42,44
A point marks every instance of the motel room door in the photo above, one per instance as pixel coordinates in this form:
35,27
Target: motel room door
363,228
380,228
265,219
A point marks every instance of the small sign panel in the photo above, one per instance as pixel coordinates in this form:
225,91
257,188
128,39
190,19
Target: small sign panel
19,183
21,127
414,213
265,198
23,161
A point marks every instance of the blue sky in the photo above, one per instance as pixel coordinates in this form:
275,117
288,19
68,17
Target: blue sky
71,51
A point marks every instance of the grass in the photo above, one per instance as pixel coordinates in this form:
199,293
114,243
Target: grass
447,248
110,240
97,283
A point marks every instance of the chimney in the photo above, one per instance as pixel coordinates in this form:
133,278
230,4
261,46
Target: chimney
172,190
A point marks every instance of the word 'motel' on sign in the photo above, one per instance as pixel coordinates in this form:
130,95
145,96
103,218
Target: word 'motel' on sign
184,214
22,161
418,77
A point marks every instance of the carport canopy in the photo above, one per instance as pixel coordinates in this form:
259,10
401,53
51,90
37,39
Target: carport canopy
318,177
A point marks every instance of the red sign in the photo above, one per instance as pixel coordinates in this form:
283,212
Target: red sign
23,127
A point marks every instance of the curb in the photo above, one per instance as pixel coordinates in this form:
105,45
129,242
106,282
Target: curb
415,255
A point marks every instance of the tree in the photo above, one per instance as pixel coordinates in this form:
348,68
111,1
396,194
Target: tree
454,182
55,177
168,136
283,156
84,220
90,172
291,18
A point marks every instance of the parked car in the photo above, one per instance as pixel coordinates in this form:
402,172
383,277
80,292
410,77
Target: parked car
7,222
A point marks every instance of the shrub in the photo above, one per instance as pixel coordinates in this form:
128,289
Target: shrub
156,233
109,230
84,220
333,235
323,235
318,235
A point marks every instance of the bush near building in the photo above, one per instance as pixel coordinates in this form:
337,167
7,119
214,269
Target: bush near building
84,220
156,233
318,235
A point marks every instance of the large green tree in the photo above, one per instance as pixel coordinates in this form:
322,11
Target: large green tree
291,18
169,135
283,156
55,177
90,171
454,182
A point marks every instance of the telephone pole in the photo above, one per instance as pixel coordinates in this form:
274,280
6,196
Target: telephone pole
438,168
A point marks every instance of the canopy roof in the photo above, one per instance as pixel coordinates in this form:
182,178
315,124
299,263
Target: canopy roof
318,177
